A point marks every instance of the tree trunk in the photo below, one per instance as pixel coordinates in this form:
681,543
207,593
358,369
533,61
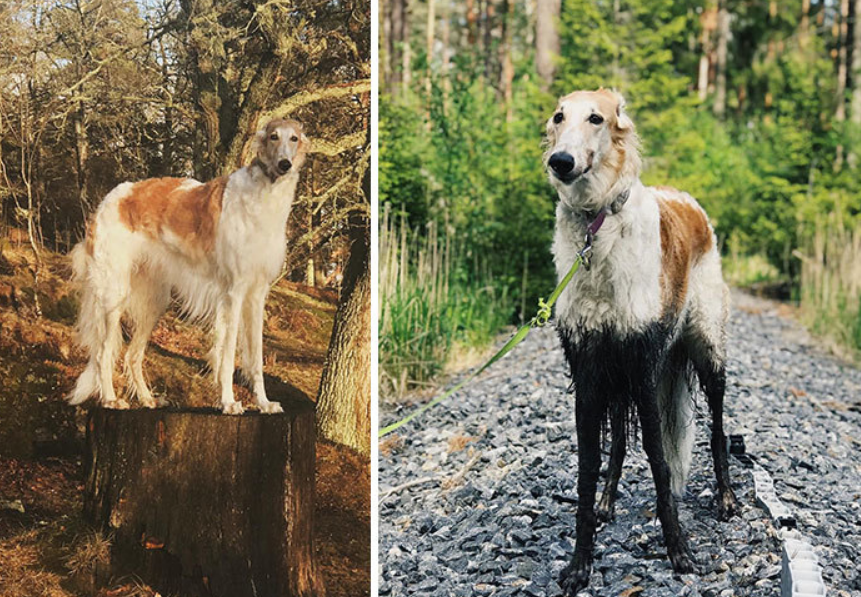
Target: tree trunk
446,37
471,23
224,122
547,40
708,22
721,56
770,56
310,273
842,75
396,20
82,153
431,25
489,12
204,504
804,27
385,45
344,405
406,64
244,119
401,56
507,78
855,107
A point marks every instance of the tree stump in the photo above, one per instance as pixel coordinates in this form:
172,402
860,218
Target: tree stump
204,504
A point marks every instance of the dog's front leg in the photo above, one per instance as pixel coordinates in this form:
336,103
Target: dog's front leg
256,310
650,423
231,309
589,412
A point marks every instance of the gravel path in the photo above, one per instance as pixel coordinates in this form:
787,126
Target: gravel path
485,484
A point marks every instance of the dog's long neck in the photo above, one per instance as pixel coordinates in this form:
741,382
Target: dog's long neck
270,196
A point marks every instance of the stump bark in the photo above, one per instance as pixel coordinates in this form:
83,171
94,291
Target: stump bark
204,504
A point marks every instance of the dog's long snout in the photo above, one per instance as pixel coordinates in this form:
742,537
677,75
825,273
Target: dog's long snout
562,163
285,165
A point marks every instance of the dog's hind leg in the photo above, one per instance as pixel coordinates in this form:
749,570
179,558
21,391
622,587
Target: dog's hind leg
713,381
705,343
618,430
148,301
108,356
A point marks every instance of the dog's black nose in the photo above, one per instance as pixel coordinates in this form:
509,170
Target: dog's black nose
561,162
285,165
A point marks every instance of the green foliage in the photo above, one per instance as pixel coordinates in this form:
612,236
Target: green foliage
764,172
434,303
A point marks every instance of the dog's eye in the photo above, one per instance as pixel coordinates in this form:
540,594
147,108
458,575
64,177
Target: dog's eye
294,138
558,117
274,136
596,119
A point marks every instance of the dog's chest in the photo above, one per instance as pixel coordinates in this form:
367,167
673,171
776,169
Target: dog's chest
621,292
253,233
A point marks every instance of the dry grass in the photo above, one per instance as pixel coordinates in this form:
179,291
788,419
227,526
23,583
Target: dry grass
21,570
458,442
831,283
391,444
93,552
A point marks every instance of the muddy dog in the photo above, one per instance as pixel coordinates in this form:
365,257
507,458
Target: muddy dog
641,325
216,245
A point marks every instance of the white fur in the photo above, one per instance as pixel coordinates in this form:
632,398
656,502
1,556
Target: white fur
133,274
622,290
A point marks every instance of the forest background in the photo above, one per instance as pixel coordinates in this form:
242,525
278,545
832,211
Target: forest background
751,106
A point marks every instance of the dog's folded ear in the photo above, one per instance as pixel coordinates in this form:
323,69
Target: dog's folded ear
623,121
305,142
257,141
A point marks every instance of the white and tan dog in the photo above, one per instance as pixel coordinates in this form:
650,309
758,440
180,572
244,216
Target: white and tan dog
639,325
217,245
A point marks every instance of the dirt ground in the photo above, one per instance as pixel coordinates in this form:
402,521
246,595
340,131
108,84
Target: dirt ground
45,547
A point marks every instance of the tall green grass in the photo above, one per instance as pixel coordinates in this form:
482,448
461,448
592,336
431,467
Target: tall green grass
830,288
435,301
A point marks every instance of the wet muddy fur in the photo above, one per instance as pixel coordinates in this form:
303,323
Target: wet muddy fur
616,382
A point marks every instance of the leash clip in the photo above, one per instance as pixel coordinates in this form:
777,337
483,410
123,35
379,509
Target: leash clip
543,315
585,253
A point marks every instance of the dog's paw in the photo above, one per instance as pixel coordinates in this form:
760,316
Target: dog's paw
683,560
232,408
270,408
605,510
728,505
118,404
149,402
575,576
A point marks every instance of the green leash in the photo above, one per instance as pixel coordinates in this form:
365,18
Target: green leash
544,312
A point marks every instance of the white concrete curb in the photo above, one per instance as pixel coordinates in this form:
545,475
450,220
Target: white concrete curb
801,574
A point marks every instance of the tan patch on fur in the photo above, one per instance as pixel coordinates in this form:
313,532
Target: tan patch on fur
161,204
685,237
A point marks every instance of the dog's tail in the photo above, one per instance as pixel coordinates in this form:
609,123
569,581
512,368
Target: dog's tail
678,420
91,328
